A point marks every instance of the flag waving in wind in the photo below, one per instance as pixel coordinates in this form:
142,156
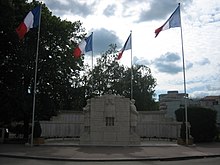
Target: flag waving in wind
30,21
126,46
83,47
172,22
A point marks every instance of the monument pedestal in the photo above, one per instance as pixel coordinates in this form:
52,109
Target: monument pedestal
109,120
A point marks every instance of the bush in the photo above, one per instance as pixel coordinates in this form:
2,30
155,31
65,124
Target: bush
37,129
202,121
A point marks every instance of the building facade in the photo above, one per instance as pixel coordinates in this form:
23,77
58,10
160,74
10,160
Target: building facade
174,100
170,102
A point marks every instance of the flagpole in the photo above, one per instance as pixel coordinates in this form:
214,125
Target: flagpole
35,80
131,68
92,62
184,79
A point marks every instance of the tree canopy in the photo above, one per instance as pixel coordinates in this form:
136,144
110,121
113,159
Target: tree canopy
57,69
108,74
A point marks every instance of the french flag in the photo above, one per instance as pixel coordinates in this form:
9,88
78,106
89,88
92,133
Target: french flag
126,46
83,47
172,22
30,21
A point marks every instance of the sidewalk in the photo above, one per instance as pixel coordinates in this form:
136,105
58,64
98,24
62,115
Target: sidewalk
146,151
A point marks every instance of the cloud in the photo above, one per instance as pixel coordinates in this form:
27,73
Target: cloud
204,90
211,87
203,61
140,61
102,38
160,9
210,16
61,7
168,63
109,10
189,65
200,86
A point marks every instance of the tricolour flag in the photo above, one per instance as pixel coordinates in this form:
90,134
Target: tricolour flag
172,22
83,47
30,21
126,46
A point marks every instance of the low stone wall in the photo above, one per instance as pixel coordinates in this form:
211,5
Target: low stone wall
51,129
151,124
66,124
168,130
154,124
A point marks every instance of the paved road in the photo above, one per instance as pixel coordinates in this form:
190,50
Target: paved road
15,161
77,153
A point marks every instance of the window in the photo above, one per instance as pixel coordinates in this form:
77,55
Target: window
109,121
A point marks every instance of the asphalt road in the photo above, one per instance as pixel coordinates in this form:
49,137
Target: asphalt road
18,161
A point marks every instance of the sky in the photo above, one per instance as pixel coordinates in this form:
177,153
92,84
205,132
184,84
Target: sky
111,22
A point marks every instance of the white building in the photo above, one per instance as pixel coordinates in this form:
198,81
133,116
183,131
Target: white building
170,102
173,100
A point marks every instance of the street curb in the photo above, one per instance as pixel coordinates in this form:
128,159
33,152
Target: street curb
110,159
85,145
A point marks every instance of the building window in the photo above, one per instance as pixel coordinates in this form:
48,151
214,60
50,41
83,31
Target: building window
109,121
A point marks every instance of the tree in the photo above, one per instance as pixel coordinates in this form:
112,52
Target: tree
58,72
202,121
144,84
108,74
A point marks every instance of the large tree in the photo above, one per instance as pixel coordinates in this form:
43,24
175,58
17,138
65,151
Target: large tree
108,74
58,72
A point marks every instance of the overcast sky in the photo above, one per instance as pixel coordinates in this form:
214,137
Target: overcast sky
112,20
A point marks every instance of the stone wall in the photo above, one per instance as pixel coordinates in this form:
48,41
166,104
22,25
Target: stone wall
66,124
154,124
149,124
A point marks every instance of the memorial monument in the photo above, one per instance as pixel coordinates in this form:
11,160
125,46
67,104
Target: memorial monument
109,120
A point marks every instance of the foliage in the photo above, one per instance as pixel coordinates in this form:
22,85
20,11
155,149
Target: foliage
202,121
58,72
108,74
143,88
37,129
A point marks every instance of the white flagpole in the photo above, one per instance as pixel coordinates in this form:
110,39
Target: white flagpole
35,80
184,79
92,62
131,68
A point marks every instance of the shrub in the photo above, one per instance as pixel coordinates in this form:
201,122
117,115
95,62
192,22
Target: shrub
37,129
202,121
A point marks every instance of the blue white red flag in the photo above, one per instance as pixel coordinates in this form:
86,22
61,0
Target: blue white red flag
30,21
126,46
172,22
83,47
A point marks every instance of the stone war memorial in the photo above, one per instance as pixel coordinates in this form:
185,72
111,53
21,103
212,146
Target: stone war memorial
109,120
